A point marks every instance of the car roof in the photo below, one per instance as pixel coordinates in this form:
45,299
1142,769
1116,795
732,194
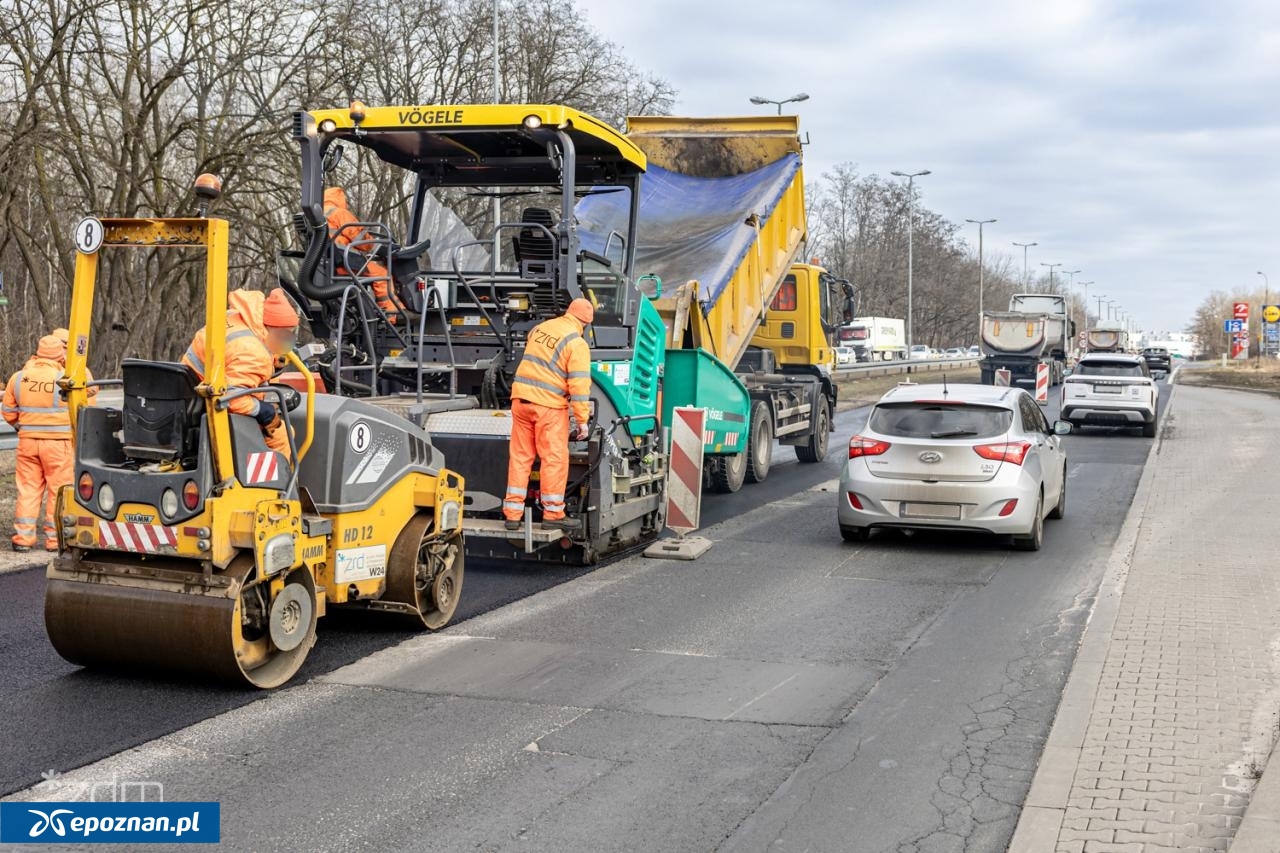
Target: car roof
1109,356
988,395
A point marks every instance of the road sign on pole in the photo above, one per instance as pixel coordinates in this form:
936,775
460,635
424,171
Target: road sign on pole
1233,326
1042,384
1003,377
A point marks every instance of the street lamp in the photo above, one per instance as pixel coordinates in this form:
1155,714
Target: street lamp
980,223
911,213
796,98
1051,269
1103,298
1026,282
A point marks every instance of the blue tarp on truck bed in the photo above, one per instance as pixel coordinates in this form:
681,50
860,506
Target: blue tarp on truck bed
690,228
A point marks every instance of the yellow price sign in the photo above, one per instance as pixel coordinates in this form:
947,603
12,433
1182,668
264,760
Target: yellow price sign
1271,313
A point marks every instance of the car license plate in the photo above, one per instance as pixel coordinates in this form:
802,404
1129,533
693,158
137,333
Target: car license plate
915,510
1108,389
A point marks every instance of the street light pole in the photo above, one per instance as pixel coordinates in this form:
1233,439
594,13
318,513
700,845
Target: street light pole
1070,295
796,98
911,215
1085,302
981,270
1026,282
1051,269
1262,323
497,198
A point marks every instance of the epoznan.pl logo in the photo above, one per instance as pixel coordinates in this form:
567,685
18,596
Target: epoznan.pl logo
48,821
110,823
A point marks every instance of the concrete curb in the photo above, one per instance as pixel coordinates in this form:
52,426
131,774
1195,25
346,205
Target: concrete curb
1046,803
1259,831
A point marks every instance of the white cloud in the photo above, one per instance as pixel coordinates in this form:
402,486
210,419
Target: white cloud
1137,140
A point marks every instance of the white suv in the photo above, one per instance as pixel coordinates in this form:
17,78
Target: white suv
1111,389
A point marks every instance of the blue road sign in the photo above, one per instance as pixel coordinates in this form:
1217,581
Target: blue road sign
1233,325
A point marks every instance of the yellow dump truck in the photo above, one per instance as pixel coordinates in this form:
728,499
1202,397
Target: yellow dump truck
721,222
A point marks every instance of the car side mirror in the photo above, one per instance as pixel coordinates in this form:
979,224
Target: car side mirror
1061,428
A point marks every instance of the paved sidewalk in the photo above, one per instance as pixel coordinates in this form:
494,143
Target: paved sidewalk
1173,703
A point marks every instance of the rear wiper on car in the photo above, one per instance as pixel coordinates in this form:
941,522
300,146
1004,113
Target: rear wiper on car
952,433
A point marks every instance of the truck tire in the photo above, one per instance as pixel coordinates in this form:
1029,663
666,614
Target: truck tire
727,472
988,377
759,442
815,449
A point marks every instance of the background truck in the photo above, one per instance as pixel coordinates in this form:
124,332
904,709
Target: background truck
749,333
875,338
1107,336
1034,331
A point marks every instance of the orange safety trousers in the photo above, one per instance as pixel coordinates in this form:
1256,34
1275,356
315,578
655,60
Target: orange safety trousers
537,432
44,466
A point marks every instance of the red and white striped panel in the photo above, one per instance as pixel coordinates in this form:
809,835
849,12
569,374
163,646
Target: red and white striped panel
1042,383
684,477
262,468
138,538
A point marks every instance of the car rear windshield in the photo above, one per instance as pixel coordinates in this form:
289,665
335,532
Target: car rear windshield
940,420
1108,368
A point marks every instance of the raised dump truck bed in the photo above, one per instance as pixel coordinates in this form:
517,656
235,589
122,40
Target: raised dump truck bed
721,220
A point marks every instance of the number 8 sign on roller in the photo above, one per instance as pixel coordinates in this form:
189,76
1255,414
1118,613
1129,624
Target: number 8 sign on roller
89,235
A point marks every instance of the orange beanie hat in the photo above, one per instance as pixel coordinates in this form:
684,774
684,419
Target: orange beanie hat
581,310
278,311
52,348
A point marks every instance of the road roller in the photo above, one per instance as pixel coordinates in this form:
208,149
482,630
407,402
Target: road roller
188,546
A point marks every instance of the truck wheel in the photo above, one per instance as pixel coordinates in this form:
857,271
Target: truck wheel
759,443
727,472
815,449
988,377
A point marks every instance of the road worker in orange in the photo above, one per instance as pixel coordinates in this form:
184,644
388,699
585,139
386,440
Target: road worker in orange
339,215
34,405
552,379
259,327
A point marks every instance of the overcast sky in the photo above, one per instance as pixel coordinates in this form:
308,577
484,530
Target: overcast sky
1138,142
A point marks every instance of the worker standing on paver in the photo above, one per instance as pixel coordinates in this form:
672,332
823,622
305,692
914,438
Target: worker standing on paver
34,405
259,328
552,379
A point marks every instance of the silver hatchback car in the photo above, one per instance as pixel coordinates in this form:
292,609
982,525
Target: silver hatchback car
960,457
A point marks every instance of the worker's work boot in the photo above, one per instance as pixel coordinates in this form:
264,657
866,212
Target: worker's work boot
560,523
513,525
21,549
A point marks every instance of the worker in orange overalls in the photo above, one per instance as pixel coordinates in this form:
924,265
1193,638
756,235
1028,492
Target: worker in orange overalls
552,379
34,404
339,214
259,328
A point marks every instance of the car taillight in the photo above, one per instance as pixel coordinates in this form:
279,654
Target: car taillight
190,494
859,446
854,502
1004,451
85,487
1008,508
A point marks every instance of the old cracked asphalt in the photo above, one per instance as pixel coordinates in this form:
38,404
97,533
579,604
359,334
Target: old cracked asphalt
785,692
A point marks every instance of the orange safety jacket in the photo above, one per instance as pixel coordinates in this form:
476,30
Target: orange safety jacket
556,369
33,404
249,363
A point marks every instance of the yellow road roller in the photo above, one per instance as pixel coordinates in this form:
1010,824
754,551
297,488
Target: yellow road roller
186,545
